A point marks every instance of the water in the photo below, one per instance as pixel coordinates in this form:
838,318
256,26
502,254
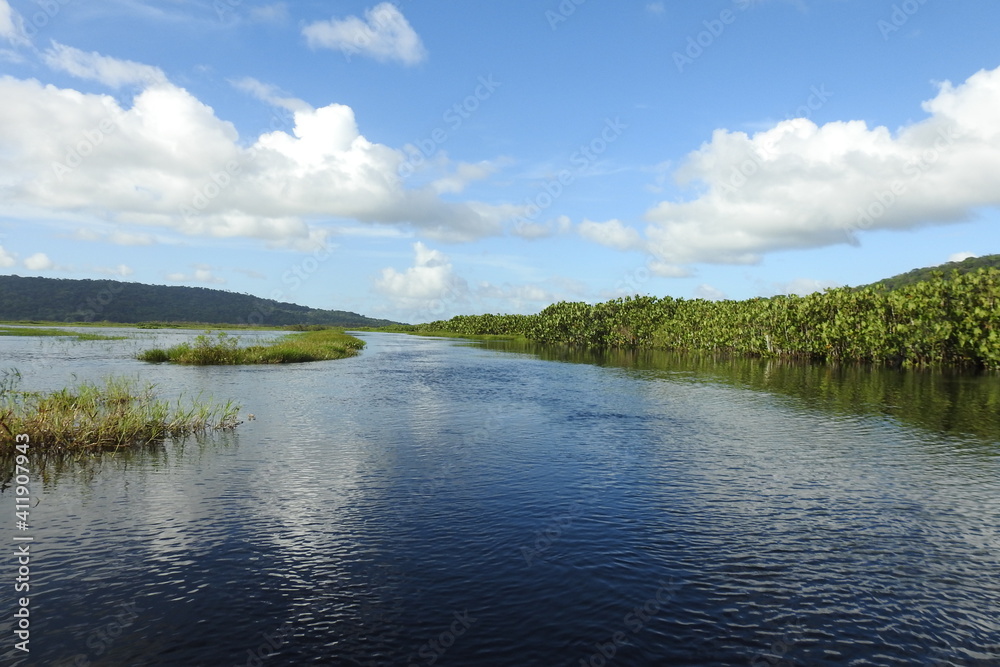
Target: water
432,502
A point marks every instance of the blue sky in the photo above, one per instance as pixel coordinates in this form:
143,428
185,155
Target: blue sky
420,160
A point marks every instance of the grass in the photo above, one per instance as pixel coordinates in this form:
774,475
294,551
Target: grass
120,413
39,331
223,349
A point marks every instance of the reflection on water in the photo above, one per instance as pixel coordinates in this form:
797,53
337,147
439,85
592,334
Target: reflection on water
947,401
436,503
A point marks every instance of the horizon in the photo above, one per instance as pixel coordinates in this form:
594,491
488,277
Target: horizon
405,164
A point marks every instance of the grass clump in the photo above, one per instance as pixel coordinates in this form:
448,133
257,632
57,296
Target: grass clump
118,413
223,349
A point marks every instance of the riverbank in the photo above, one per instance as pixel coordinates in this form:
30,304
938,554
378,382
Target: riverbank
946,321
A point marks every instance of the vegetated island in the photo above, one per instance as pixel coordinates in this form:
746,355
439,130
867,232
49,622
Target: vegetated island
317,344
926,318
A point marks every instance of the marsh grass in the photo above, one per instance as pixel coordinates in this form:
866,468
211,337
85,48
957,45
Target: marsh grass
40,331
118,413
223,349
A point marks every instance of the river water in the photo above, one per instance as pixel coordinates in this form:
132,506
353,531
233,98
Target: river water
433,502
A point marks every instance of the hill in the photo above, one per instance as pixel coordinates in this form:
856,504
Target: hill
920,275
64,300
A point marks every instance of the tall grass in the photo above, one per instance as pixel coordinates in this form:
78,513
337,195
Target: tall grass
118,413
39,331
223,349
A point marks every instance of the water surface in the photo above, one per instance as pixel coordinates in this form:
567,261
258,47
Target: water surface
433,502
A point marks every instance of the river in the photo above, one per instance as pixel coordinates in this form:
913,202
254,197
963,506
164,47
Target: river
434,502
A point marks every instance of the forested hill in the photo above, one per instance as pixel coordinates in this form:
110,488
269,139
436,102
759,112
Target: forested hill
919,275
63,300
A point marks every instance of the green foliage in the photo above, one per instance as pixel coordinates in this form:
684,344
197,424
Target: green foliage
224,349
917,275
943,321
39,331
119,413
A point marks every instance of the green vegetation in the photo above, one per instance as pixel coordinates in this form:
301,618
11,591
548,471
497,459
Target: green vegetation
313,345
917,275
62,300
90,417
37,331
943,321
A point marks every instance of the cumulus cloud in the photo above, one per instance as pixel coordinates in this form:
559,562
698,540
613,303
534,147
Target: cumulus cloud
799,185
431,277
39,262
961,256
7,259
613,234
168,161
384,34
93,66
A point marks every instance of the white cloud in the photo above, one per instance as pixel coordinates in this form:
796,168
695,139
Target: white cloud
706,291
202,274
39,262
122,270
384,34
803,286
430,278
798,185
613,234
169,162
11,24
7,259
656,8
96,67
270,94
960,256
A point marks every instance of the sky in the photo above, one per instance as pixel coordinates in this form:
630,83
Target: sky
418,160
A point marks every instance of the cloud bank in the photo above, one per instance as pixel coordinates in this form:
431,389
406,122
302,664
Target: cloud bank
799,185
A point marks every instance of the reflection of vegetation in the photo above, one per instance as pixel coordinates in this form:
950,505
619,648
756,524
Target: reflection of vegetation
37,331
313,345
952,321
51,466
941,401
117,414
